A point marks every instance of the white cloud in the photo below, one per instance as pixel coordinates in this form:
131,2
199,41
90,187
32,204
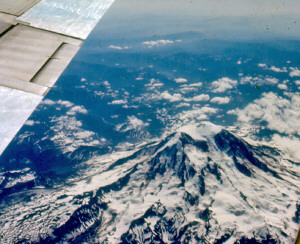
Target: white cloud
220,100
118,47
282,86
159,42
178,97
183,105
279,114
239,62
199,98
258,80
294,72
187,89
172,98
271,80
132,123
197,114
180,80
154,83
65,103
297,82
77,109
223,84
120,101
48,102
249,79
31,122
289,145
275,69
199,84
262,65
106,83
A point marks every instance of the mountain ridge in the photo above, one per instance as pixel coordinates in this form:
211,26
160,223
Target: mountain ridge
205,185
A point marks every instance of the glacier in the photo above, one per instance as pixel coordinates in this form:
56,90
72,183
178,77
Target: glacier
200,184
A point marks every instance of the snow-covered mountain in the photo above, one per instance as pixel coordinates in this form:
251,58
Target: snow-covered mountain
201,184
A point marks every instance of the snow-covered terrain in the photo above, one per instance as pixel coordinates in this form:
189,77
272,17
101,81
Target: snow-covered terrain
201,184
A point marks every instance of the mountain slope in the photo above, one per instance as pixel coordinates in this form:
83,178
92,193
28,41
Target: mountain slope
200,185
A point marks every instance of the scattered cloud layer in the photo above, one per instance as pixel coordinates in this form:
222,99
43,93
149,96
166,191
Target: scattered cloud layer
278,113
118,47
259,80
159,42
273,68
117,102
282,86
294,72
220,100
279,70
154,83
223,84
132,123
172,98
178,97
180,80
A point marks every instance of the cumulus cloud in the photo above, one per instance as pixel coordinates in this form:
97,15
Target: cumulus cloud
183,105
262,65
294,72
116,102
172,98
275,69
187,89
259,80
132,123
289,145
282,86
249,79
106,83
31,122
118,47
159,42
48,102
77,110
198,84
178,97
154,83
223,84
180,80
270,80
196,114
220,100
278,113
199,98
